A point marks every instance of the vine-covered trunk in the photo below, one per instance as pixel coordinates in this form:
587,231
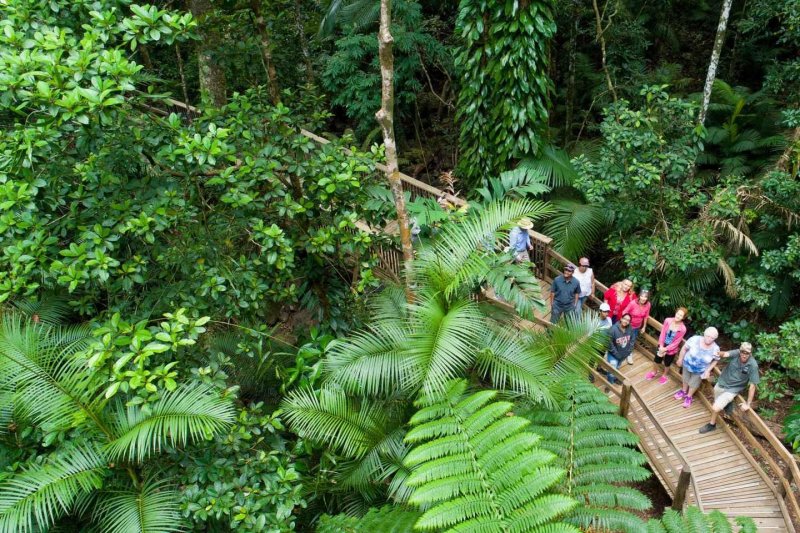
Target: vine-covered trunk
385,117
265,43
211,74
719,40
602,40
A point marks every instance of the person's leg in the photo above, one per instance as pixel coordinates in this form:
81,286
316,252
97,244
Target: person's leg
613,361
581,300
694,383
681,394
555,314
721,400
668,359
657,361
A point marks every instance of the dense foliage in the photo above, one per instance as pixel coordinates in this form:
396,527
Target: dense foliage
195,329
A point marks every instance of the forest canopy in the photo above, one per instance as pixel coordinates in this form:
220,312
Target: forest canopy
198,327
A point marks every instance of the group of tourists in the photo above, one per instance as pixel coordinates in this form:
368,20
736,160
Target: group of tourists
625,315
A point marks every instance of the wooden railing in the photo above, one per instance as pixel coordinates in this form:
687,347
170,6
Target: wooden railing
787,476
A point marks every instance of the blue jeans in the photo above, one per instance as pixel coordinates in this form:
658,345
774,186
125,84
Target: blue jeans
556,312
581,299
613,361
634,335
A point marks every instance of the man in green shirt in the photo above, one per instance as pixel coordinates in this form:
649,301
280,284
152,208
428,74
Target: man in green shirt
740,372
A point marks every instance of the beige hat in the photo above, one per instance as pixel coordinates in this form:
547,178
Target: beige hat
525,223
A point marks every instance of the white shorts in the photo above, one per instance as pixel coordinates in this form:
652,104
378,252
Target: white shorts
722,398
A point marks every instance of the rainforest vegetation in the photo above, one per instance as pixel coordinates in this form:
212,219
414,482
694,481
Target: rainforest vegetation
197,332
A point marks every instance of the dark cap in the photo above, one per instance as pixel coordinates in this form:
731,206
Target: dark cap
570,267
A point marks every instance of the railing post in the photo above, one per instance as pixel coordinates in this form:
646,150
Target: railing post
680,491
625,398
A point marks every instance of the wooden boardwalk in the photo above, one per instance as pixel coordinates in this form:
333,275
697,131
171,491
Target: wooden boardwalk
724,474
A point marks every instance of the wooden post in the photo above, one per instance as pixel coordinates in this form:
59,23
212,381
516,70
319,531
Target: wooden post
680,491
625,398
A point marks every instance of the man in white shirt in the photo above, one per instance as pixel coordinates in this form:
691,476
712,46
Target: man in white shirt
585,277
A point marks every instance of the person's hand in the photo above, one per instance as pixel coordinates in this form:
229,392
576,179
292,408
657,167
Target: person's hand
679,362
745,406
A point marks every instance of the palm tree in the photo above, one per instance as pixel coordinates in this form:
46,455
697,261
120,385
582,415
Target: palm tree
98,471
372,377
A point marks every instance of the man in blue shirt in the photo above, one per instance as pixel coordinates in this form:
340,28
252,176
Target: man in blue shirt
519,240
564,294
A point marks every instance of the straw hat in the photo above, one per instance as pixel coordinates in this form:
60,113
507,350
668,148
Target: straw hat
525,223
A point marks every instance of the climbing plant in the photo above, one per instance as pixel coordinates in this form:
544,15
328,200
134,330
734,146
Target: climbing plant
504,96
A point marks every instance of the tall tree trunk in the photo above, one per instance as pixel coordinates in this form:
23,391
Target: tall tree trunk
299,21
602,40
212,76
719,40
385,117
184,88
266,51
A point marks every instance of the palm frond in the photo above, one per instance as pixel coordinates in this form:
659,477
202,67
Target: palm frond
516,284
48,309
510,366
553,164
189,413
330,417
444,339
389,304
34,499
475,467
38,363
453,263
387,519
152,509
729,276
374,362
575,226
568,345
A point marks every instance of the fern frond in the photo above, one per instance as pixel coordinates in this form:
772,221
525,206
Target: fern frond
480,470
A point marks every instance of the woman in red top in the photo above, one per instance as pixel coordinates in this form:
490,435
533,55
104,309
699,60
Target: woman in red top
618,296
640,312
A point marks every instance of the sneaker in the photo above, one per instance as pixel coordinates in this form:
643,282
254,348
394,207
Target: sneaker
630,359
687,402
680,395
663,379
650,375
708,428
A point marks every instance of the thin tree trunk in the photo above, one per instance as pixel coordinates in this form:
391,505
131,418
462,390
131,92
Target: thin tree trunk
212,76
144,53
602,40
184,88
719,40
385,117
570,96
266,51
301,37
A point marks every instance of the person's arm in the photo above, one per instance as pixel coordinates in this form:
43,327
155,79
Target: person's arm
593,289
552,292
577,295
707,373
646,317
681,355
751,393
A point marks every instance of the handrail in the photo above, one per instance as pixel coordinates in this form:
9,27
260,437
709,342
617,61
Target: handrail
405,178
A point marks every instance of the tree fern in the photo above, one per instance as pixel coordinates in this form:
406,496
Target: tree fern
594,445
475,468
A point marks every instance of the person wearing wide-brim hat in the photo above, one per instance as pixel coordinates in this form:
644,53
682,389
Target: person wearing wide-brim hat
519,240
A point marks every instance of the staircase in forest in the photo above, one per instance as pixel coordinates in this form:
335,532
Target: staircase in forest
742,469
